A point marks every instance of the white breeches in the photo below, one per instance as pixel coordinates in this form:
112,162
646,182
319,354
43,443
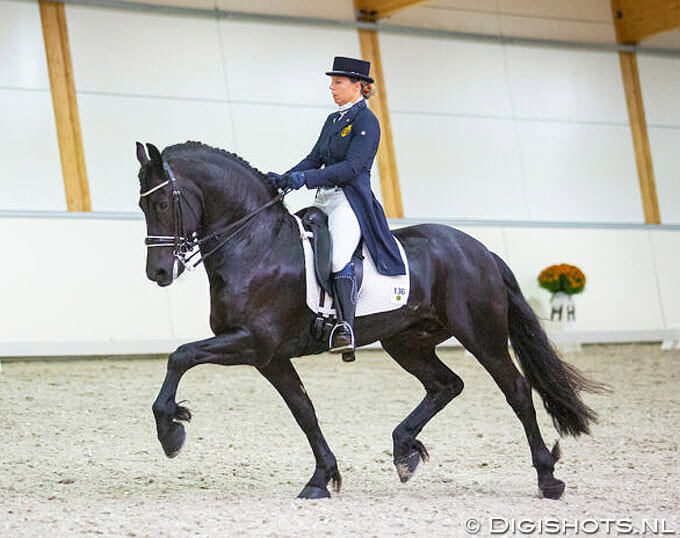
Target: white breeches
342,223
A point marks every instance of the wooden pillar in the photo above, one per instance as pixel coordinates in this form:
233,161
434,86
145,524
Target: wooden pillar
386,159
634,20
638,128
65,105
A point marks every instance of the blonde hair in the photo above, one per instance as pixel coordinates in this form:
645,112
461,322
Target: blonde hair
367,89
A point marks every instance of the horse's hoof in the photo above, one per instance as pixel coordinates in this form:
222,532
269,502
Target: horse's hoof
407,465
173,442
552,490
314,492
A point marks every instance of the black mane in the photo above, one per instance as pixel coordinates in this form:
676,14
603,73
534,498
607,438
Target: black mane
194,146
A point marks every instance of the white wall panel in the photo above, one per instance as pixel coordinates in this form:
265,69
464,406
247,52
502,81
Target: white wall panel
579,172
665,146
100,292
189,298
148,54
274,63
30,167
22,50
666,246
566,84
620,291
444,76
112,124
458,167
276,138
492,237
660,83
101,302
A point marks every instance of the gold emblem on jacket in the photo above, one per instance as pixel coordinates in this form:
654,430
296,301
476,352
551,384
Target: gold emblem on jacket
346,131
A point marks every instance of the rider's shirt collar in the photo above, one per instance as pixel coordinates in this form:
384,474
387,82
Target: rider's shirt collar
349,105
344,108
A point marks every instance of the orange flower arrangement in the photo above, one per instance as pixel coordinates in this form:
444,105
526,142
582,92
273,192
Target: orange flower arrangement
562,277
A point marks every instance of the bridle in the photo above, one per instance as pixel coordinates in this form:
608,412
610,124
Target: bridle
184,243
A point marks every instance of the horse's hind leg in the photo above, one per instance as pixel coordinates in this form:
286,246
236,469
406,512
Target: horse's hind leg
441,386
497,361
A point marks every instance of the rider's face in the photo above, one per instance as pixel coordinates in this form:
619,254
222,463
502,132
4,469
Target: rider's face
344,90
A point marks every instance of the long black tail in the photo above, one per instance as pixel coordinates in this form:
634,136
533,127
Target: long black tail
558,383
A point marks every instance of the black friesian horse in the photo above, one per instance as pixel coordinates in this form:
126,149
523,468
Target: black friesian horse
260,317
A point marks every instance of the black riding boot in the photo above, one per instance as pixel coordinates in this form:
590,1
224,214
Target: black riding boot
345,290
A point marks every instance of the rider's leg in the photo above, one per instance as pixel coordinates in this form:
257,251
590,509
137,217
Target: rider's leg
346,234
344,291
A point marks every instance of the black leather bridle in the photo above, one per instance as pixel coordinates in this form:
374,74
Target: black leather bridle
184,243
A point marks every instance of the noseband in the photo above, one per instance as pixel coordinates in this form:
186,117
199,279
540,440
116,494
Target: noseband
184,243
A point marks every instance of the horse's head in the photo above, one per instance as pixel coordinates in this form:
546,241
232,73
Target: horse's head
168,223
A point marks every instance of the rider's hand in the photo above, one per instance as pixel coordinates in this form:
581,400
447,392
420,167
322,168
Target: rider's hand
276,179
294,180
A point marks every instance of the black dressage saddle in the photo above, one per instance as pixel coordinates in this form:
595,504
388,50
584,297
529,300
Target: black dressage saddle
316,221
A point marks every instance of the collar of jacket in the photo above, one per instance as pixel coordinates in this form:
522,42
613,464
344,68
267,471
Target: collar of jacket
348,117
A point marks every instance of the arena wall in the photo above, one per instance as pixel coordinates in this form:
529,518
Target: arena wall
499,140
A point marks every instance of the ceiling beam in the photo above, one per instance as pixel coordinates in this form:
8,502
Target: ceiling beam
636,20
372,10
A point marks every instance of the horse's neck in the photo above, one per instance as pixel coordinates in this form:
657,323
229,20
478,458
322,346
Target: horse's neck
221,208
265,238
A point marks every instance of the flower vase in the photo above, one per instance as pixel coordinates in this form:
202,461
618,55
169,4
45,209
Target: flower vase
562,307
563,311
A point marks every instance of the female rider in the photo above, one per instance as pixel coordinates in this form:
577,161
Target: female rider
339,167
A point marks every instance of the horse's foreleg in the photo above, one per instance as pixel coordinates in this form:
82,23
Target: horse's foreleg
283,376
228,349
441,386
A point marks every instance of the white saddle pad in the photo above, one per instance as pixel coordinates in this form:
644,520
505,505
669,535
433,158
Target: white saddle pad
378,293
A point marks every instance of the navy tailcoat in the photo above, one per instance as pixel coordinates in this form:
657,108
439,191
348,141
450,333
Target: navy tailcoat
346,148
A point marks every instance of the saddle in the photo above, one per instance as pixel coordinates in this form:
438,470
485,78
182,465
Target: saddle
315,222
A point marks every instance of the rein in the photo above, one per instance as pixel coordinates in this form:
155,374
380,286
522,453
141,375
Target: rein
184,244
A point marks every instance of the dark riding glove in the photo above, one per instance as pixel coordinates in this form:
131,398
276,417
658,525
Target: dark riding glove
276,179
294,180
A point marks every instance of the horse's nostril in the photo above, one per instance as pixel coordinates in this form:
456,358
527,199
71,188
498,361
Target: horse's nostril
161,274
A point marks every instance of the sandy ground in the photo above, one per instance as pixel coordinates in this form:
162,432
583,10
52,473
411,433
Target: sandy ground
79,453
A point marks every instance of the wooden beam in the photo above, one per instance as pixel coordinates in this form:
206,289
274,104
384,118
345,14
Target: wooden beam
638,128
65,105
386,159
372,10
636,20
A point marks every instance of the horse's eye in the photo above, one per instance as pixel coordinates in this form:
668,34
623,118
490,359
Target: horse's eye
162,205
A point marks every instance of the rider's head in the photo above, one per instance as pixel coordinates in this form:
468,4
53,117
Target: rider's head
350,80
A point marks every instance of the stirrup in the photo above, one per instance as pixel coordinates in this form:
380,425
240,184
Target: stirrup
345,348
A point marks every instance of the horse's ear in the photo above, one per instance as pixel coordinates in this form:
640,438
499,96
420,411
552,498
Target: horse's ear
155,155
141,153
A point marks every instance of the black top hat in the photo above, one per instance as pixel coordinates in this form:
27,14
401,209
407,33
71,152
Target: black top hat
351,67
